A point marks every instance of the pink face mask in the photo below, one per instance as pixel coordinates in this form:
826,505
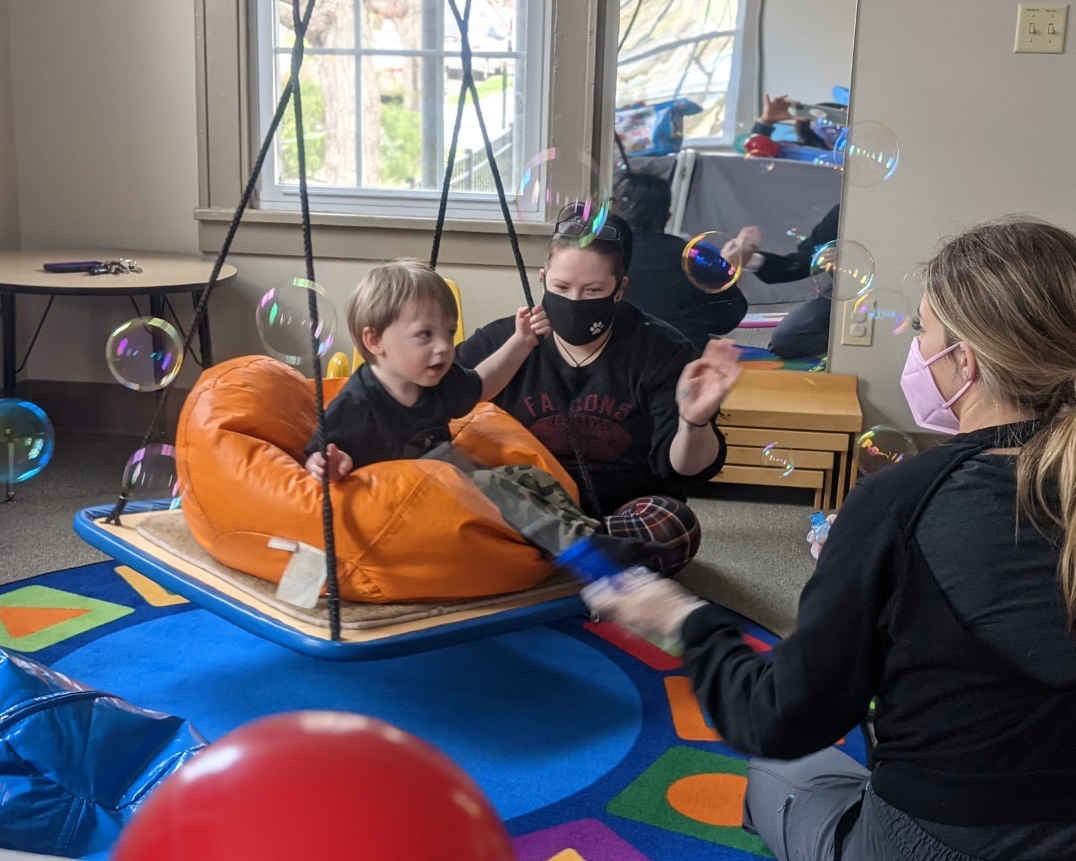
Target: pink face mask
928,405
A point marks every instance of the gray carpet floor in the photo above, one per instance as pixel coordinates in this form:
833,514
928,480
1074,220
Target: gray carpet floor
754,558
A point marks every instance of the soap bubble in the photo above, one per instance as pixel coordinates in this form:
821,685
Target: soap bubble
888,309
842,269
151,474
778,458
882,446
563,185
869,151
283,318
26,440
705,267
144,354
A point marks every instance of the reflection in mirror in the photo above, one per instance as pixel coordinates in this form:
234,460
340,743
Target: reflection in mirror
731,120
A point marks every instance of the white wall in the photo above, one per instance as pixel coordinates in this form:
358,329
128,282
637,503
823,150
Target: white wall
9,195
983,132
807,47
105,108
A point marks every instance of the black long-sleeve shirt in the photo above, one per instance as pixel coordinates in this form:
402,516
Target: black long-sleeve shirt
780,268
622,405
924,597
658,286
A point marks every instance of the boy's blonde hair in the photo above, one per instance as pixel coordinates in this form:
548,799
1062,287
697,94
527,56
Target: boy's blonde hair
381,296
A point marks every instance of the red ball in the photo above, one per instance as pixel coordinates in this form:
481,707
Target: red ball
760,145
318,785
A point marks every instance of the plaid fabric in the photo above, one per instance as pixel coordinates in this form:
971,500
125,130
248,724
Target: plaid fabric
663,521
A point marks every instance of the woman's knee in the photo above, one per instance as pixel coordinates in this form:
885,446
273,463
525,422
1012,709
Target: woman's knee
665,522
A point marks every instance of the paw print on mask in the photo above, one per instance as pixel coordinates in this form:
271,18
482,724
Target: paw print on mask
596,327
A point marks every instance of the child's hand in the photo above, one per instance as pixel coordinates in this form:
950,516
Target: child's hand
340,464
531,324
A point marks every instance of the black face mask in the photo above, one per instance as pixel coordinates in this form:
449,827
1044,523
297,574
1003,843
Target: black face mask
580,321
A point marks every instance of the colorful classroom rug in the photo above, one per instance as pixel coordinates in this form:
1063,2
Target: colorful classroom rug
588,740
762,358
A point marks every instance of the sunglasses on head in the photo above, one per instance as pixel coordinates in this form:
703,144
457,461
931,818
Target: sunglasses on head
574,229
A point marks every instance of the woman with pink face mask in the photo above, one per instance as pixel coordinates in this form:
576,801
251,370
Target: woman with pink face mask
946,591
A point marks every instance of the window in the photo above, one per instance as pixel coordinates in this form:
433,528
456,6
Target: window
380,83
555,92
683,49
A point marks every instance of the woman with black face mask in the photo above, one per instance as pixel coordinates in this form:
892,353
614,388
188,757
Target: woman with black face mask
641,411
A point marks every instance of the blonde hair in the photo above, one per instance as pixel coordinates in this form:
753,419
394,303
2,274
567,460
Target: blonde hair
1008,289
380,298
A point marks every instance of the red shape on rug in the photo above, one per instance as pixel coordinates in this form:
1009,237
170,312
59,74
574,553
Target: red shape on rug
637,647
757,644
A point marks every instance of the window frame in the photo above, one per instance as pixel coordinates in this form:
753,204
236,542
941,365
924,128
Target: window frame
581,59
415,202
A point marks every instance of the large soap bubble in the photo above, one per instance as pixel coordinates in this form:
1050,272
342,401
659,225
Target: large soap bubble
26,440
283,318
145,353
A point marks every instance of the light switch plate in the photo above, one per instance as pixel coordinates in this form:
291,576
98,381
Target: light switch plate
857,324
1040,28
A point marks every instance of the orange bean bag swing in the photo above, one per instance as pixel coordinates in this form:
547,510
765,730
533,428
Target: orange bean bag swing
408,530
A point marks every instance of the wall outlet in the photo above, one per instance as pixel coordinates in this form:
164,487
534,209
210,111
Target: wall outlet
857,323
1040,28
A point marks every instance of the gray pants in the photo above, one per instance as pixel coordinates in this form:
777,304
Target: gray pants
804,332
823,807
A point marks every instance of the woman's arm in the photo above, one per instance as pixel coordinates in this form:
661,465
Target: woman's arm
815,685
700,391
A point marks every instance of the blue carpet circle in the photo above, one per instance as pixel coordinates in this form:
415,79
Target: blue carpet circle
534,716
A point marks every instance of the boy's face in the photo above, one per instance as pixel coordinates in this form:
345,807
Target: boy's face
418,346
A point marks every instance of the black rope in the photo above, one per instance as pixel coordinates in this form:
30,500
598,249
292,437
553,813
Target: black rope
623,153
315,347
33,340
138,311
468,85
446,185
631,23
182,331
200,311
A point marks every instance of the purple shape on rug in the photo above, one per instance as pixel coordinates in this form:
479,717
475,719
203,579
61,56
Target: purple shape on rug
590,838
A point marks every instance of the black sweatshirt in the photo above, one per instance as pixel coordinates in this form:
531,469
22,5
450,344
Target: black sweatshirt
622,405
779,268
924,597
658,286
369,424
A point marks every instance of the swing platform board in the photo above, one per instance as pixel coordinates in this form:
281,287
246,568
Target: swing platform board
203,587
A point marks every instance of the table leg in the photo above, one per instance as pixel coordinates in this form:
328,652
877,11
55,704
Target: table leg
7,308
203,334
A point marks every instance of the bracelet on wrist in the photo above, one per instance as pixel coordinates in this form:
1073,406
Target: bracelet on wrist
693,424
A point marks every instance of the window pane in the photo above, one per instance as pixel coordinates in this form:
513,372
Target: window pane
327,84
497,94
332,25
671,52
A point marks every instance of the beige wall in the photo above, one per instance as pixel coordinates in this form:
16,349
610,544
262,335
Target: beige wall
983,131
105,98
9,195
807,47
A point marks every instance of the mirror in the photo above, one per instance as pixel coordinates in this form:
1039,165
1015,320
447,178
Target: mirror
693,78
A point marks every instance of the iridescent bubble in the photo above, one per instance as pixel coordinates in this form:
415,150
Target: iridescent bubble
151,474
705,267
888,309
778,458
283,318
564,185
26,440
842,269
882,446
144,354
870,153
796,233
